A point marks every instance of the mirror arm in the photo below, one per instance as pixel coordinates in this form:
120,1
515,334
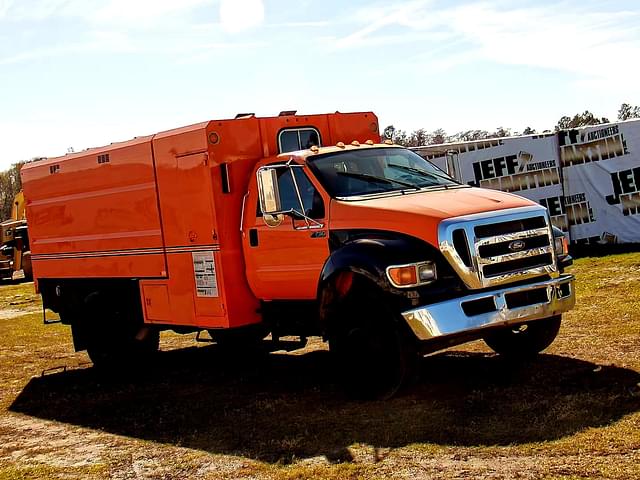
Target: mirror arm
295,184
308,221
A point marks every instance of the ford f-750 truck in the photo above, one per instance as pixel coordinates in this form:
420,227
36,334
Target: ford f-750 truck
287,226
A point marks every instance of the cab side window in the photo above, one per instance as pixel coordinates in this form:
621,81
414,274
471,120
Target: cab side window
311,198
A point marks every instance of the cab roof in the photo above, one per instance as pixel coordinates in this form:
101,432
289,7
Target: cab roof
338,148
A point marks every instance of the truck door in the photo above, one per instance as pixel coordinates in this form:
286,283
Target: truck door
284,260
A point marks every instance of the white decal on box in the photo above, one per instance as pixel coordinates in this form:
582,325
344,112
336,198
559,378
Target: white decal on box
204,271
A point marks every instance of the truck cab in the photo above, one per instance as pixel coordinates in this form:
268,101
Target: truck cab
291,226
369,228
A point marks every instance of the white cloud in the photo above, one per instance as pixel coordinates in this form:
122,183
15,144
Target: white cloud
239,15
5,5
309,24
144,11
43,9
129,12
127,26
598,45
377,19
186,49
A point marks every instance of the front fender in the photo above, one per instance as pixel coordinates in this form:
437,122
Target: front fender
367,254
369,257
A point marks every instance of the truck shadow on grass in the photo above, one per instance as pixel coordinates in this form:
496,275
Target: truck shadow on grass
288,407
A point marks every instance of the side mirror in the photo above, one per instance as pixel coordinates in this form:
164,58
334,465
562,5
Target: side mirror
268,191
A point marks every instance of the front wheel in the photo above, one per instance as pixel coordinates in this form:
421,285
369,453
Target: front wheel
525,340
373,356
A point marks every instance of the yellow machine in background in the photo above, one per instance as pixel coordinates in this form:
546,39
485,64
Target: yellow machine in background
15,253
18,210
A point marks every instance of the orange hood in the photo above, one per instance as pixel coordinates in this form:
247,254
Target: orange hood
419,214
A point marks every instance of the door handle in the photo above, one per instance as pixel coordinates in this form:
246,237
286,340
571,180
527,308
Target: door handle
253,237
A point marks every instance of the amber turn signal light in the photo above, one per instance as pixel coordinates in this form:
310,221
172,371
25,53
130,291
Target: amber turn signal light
403,276
412,275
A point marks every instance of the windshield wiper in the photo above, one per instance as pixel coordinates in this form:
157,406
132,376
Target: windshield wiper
373,178
422,173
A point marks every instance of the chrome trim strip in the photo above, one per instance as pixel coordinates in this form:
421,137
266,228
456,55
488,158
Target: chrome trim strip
472,275
532,252
509,237
511,277
448,318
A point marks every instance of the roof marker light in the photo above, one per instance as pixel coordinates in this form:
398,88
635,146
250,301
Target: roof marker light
355,143
369,142
388,142
314,149
340,145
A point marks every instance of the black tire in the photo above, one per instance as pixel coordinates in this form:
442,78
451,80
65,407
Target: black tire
244,342
526,340
374,357
125,352
115,336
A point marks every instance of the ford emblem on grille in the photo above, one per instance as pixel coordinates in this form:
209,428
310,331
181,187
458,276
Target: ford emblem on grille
516,245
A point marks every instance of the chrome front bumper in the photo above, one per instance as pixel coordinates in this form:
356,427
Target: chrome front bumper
495,308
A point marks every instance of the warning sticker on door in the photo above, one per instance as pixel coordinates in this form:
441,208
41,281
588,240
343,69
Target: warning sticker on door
204,271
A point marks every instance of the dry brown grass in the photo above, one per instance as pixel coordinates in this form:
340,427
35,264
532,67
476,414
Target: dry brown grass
574,413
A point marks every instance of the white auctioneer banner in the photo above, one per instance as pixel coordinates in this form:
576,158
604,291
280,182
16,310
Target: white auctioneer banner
601,168
588,178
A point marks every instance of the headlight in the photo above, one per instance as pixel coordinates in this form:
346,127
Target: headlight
412,275
561,246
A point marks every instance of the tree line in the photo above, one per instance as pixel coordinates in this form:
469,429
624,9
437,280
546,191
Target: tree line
10,183
422,136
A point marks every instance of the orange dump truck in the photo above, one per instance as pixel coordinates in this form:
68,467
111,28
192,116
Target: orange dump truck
290,226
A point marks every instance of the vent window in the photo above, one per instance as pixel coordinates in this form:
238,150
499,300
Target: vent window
104,158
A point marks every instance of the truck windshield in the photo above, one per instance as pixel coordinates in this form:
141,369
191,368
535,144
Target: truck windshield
376,170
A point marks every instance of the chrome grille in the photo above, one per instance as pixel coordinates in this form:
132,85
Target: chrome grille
499,247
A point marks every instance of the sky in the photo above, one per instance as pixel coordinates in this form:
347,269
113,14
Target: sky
79,73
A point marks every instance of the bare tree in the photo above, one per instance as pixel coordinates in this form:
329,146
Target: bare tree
10,185
469,136
627,112
579,120
439,136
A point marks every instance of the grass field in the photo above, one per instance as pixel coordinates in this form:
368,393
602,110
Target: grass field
573,413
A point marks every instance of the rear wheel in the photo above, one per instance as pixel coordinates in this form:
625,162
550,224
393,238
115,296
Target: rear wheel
115,335
124,351
526,340
374,357
244,342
